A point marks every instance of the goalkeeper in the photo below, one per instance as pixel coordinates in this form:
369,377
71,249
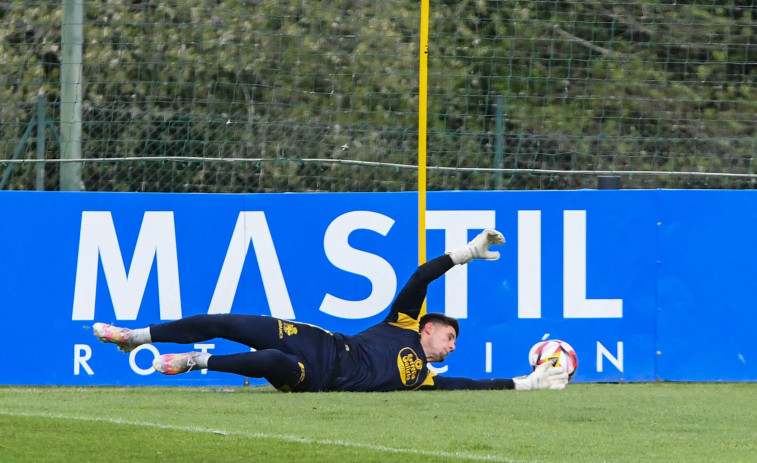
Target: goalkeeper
392,355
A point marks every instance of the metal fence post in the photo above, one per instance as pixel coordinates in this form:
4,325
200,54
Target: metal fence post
71,94
499,139
41,123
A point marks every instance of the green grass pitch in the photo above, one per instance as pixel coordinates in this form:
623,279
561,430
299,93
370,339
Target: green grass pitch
655,422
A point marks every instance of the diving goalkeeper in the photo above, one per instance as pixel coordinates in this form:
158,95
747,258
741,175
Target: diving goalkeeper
392,355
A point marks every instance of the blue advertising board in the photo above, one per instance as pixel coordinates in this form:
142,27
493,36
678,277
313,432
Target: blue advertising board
645,285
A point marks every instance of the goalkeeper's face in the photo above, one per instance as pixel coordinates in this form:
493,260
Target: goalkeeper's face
438,341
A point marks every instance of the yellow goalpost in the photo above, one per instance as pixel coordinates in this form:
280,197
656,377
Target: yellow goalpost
422,112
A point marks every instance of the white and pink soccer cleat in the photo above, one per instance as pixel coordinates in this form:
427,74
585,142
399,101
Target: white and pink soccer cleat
113,334
173,364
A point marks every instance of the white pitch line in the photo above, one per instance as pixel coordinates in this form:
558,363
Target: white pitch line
260,435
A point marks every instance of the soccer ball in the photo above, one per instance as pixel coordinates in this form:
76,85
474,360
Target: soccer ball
560,353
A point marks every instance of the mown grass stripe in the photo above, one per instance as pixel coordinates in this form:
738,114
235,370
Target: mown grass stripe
259,435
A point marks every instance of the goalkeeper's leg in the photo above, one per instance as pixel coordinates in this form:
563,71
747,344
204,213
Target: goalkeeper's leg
283,371
256,331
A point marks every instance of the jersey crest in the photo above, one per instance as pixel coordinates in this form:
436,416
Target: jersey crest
286,328
409,366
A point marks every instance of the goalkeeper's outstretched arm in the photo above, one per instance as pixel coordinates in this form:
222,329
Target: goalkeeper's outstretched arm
545,376
452,383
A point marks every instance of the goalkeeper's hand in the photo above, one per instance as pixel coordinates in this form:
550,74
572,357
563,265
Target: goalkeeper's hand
545,376
478,248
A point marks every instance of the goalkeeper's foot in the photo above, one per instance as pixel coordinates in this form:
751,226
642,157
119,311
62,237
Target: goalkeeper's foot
173,364
112,334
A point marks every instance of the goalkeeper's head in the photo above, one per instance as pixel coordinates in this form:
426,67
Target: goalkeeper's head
438,335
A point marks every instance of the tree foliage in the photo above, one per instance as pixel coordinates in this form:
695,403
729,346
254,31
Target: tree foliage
317,93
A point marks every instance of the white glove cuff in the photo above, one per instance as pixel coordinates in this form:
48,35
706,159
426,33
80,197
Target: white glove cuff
461,255
522,383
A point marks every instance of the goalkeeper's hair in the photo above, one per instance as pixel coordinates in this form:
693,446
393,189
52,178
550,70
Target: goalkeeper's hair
440,318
